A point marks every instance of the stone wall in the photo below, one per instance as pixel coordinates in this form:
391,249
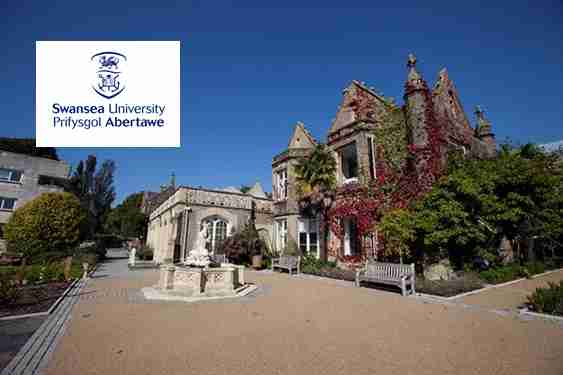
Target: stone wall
176,222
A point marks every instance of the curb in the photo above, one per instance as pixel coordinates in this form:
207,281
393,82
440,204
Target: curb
526,311
34,355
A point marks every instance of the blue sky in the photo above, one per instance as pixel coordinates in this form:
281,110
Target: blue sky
251,69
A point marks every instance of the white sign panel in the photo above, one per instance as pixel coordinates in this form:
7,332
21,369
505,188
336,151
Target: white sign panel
107,94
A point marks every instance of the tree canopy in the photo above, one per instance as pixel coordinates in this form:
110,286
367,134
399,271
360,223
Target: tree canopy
517,195
95,190
127,219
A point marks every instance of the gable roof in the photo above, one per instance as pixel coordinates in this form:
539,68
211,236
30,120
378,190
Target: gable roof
301,138
356,98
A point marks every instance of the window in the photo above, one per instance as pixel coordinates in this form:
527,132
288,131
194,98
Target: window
10,175
1,231
280,185
216,233
281,234
349,163
7,203
52,181
371,151
309,236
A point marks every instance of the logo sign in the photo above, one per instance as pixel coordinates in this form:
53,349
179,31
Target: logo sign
110,72
107,94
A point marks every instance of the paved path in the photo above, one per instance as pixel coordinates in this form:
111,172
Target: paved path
294,326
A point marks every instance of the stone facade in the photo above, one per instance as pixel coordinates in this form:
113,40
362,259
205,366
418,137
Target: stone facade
175,223
24,177
351,138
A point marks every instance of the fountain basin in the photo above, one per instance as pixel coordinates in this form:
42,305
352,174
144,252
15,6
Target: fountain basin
201,282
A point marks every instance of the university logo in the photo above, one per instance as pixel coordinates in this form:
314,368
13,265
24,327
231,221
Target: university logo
109,73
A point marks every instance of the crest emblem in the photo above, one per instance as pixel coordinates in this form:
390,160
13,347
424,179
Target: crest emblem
109,73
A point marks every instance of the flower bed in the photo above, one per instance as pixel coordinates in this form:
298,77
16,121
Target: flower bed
34,299
464,283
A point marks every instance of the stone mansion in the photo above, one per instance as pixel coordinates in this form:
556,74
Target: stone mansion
179,213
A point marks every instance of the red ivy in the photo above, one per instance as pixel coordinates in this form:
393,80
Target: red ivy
392,190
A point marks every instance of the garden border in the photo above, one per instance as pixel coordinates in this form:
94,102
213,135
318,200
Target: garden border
49,311
487,287
53,306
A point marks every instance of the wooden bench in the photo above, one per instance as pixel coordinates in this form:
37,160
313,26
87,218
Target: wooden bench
288,262
388,273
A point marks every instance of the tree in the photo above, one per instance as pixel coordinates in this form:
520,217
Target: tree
517,195
127,219
316,181
94,190
245,189
47,226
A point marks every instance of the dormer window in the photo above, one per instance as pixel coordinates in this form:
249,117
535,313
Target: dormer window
10,175
349,163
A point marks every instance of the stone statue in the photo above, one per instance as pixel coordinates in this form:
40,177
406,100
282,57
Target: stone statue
132,255
199,256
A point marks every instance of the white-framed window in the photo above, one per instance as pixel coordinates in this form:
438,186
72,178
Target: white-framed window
7,204
216,233
309,236
10,175
280,185
280,232
348,163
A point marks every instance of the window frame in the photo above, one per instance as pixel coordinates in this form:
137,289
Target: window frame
310,226
341,150
280,184
11,173
281,233
3,203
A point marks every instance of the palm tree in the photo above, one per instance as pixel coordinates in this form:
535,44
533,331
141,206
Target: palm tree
316,182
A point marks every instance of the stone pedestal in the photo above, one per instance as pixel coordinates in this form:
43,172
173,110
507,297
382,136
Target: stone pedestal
166,280
219,281
238,275
188,281
204,282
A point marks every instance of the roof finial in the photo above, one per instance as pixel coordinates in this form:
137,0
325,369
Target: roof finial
411,62
479,112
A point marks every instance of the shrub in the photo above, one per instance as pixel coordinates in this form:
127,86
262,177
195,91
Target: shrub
547,300
145,253
9,291
49,225
503,274
241,246
310,264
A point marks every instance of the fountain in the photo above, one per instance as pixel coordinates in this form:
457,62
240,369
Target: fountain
199,257
199,278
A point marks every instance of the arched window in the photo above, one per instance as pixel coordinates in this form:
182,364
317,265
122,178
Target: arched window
216,233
